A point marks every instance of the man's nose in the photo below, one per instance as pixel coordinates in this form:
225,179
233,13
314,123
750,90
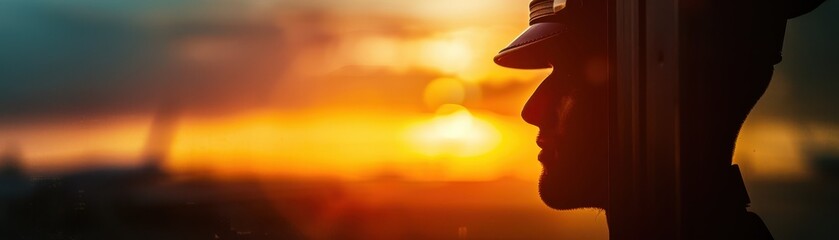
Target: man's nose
536,109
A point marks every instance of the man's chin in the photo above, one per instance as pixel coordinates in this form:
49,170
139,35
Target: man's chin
560,194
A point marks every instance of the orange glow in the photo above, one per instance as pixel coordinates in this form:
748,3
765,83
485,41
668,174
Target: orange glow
444,91
467,53
368,88
771,148
448,55
77,144
452,144
454,131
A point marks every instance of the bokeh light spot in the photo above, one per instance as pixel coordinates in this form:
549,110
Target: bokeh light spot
444,91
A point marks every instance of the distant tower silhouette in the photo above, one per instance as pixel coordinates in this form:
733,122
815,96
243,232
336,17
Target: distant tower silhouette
13,180
160,136
10,161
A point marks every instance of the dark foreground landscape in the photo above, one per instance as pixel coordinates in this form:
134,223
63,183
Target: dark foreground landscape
148,204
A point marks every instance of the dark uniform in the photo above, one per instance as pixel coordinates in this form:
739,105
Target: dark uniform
729,50
727,53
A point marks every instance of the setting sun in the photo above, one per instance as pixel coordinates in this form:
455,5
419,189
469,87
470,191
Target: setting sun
454,131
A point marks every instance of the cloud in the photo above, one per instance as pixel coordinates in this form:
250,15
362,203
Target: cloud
78,60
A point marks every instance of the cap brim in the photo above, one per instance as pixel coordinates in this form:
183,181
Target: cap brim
525,51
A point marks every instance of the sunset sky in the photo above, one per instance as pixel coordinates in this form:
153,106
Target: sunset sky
347,89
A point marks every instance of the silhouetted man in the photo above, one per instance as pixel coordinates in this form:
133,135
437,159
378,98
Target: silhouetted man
730,49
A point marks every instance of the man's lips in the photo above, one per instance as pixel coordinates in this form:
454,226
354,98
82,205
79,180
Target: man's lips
548,152
545,155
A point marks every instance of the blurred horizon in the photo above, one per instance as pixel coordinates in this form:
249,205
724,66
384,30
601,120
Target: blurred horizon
282,83
326,89
322,119
268,83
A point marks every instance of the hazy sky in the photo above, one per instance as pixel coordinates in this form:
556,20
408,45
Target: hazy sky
102,57
95,56
98,59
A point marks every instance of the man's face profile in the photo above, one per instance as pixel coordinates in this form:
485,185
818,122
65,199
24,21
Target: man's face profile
571,110
570,107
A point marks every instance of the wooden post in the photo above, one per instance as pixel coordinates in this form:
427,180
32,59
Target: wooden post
644,139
